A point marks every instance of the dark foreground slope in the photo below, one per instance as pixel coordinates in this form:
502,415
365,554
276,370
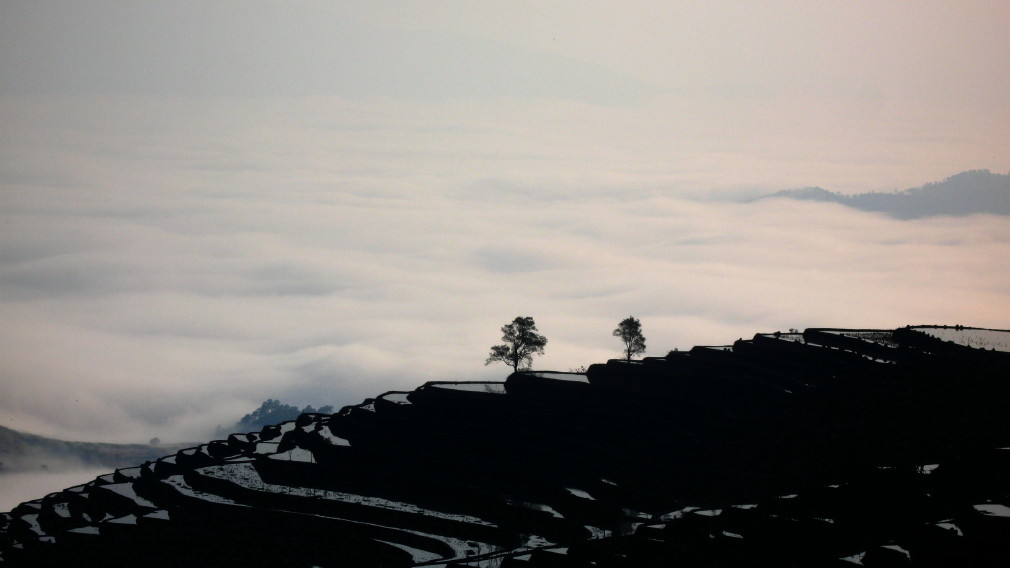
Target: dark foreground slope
830,448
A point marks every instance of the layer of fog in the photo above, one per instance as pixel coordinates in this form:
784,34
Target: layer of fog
17,488
168,264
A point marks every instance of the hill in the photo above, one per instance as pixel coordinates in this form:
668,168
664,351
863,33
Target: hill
967,193
28,452
824,448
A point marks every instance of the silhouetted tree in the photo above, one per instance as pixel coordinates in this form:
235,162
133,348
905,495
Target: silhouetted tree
270,412
630,332
522,342
322,409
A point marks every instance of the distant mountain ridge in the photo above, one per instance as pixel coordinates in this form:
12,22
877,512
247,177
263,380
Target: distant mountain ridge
967,193
27,452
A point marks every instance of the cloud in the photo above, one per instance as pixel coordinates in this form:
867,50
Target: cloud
168,262
151,296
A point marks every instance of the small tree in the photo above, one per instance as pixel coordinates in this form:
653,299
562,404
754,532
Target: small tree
630,332
522,342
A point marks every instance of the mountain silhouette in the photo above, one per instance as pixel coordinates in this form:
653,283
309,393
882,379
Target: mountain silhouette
824,448
966,193
21,452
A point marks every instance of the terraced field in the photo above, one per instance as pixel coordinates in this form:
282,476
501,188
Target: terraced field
826,448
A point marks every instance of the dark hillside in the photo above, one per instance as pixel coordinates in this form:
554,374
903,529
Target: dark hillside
28,452
826,448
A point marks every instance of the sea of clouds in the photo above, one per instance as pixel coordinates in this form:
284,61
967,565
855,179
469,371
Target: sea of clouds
170,263
205,205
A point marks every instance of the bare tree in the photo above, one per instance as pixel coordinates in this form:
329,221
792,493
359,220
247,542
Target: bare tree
630,332
522,342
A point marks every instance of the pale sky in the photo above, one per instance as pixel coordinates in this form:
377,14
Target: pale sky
207,204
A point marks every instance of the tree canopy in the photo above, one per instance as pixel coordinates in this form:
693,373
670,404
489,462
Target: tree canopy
270,412
630,332
521,343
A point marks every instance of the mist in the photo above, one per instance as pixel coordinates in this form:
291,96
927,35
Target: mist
183,238
17,488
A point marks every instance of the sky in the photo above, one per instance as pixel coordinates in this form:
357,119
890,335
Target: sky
207,204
